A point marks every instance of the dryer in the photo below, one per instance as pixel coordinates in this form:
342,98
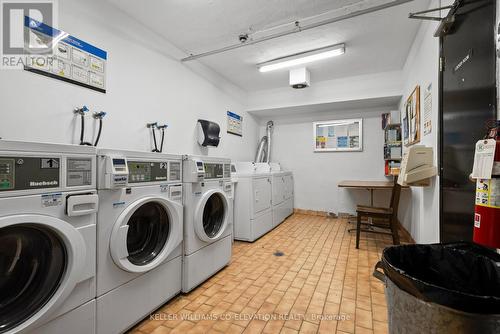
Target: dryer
139,236
253,215
208,218
48,205
283,193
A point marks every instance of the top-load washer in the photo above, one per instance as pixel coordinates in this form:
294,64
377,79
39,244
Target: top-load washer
283,193
208,215
253,215
139,235
48,205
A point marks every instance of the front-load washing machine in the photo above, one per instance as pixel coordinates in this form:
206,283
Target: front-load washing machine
139,236
48,205
208,218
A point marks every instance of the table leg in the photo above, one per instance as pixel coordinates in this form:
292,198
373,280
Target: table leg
370,220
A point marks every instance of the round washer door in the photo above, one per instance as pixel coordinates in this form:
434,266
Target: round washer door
211,217
146,233
41,260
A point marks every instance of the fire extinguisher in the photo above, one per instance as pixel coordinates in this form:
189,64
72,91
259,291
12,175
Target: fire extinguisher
487,208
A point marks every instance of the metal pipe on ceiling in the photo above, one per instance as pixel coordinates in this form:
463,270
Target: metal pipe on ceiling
298,28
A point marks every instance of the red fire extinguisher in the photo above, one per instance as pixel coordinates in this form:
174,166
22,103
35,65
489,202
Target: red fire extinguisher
487,209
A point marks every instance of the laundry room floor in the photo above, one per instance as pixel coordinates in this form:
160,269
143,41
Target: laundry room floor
320,284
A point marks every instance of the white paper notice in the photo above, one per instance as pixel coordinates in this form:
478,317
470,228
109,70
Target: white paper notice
484,158
428,110
354,130
80,57
79,74
341,131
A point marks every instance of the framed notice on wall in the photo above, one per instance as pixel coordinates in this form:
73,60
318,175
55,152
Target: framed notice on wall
71,60
234,124
338,136
411,118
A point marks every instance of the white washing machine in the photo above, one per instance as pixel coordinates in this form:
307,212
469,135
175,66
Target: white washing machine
253,215
48,205
283,193
139,236
208,214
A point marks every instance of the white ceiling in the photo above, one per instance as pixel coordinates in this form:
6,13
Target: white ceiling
375,42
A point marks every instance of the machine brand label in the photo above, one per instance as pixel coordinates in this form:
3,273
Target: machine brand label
43,183
49,200
118,204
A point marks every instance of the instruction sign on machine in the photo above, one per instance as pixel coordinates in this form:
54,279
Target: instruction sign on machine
73,60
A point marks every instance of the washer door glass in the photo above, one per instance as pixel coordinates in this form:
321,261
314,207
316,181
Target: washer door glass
213,215
149,228
32,265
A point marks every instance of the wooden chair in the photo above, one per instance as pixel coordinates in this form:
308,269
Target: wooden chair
387,216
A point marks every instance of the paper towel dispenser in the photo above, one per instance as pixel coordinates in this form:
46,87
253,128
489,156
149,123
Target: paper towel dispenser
417,166
208,133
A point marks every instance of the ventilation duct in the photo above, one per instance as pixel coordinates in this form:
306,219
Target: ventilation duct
264,148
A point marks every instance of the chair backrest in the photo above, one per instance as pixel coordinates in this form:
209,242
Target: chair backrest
396,193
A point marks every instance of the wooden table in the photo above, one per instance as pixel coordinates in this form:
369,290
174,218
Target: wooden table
368,185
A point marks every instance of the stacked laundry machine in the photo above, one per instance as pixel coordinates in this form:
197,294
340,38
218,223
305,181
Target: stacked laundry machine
48,205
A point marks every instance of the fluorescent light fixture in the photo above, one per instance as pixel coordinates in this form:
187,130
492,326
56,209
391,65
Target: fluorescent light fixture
302,58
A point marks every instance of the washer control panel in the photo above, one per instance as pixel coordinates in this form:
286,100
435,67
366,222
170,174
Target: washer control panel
7,180
214,170
147,171
24,173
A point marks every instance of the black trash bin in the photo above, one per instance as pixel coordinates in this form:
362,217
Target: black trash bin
441,288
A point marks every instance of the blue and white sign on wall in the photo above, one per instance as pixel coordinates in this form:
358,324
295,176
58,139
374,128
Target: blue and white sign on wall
71,59
234,124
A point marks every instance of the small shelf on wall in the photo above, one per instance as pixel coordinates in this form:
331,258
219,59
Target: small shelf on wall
393,145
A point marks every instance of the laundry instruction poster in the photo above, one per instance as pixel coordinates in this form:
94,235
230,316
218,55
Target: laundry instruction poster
71,60
234,124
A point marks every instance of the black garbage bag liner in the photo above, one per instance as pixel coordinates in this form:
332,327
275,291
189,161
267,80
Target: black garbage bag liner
463,276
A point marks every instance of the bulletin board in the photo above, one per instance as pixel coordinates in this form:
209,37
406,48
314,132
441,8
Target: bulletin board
338,136
411,118
73,60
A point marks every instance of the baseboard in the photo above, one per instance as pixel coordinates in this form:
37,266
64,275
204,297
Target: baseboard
310,212
404,234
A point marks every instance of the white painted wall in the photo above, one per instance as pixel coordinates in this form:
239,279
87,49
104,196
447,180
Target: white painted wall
146,83
422,68
317,175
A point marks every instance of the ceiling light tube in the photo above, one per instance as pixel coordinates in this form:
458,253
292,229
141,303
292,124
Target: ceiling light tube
302,58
